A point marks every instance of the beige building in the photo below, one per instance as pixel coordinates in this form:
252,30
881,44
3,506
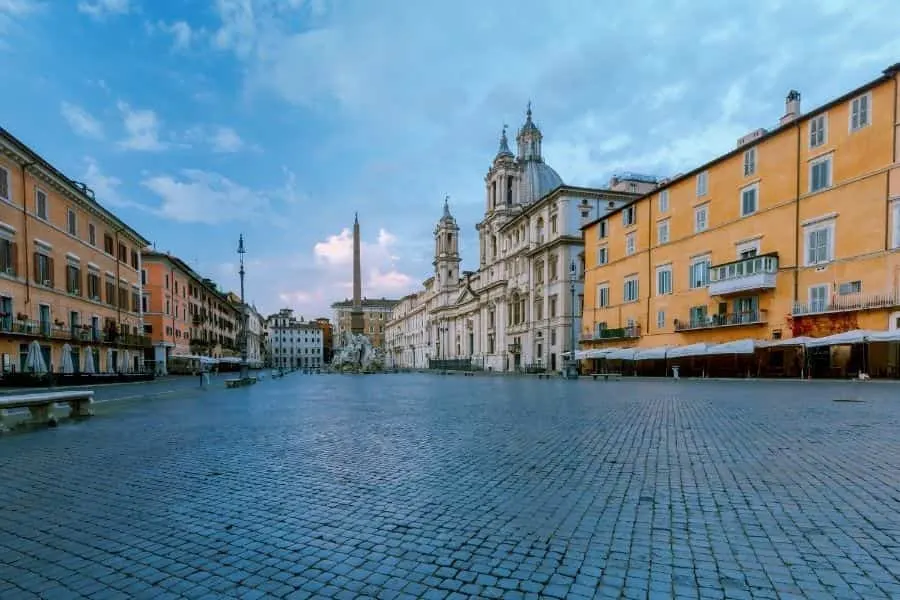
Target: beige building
294,343
376,314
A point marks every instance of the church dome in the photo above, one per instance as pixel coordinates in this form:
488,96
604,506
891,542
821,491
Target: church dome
538,180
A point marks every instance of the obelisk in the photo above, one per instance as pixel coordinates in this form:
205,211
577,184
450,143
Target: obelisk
357,326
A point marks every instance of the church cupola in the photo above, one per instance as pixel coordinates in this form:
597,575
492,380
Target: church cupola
503,152
529,139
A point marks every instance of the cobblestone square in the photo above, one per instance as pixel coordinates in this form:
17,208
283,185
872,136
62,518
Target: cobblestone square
416,486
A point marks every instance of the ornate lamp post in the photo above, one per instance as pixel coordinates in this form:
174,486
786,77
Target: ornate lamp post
573,364
244,369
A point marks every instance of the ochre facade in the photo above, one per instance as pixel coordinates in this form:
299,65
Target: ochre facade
795,232
69,270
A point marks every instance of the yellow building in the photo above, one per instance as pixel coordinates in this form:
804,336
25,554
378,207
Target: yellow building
795,232
69,271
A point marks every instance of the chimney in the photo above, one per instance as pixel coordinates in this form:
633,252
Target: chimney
791,107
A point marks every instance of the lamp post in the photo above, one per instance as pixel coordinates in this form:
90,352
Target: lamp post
244,370
573,364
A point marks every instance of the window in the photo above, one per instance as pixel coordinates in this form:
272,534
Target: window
71,222
123,253
860,112
664,280
850,288
43,269
8,256
602,230
818,298
629,217
630,289
749,162
820,174
896,212
143,276
602,295
602,255
108,243
818,131
660,319
662,232
701,218
749,200
819,244
134,259
73,280
629,244
702,183
4,185
93,286
632,187
554,224
40,203
92,234
110,292
698,274
664,201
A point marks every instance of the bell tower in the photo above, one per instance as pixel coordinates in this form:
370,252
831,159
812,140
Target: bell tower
446,250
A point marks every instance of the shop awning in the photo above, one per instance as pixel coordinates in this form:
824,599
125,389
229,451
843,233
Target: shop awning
686,351
735,347
652,353
885,336
794,341
621,354
597,352
856,336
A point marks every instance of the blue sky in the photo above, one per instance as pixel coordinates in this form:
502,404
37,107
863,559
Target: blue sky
197,120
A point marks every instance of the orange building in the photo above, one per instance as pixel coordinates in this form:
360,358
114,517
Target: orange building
184,313
327,338
795,232
69,270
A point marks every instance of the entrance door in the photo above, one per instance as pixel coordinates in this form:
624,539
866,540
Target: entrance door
44,319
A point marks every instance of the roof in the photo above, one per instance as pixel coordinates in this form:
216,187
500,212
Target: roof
887,75
79,190
204,281
573,190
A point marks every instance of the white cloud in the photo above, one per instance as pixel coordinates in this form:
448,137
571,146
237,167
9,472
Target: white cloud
81,121
13,13
106,188
99,9
142,128
183,35
203,197
226,139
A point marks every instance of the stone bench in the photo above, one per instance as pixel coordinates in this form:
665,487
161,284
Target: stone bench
41,404
607,376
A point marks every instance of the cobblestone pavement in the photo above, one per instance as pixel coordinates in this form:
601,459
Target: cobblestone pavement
413,486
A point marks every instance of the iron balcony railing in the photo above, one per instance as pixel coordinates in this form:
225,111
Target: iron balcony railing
618,333
847,303
755,317
744,267
70,333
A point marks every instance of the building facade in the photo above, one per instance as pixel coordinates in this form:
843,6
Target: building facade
294,343
795,232
69,270
327,338
255,338
519,308
376,314
185,313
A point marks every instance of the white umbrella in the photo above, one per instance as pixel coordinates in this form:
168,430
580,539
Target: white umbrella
34,361
89,367
67,366
124,359
110,362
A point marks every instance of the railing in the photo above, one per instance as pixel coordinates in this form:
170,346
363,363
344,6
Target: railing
847,303
53,331
619,333
754,273
756,317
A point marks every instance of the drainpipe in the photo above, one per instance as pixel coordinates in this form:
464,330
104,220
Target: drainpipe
797,232
887,179
26,248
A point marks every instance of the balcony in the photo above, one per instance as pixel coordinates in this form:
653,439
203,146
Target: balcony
36,329
744,275
847,303
758,317
620,333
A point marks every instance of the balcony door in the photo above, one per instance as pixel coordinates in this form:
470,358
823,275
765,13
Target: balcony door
746,309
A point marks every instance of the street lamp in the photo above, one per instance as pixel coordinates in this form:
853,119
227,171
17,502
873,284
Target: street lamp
244,370
573,364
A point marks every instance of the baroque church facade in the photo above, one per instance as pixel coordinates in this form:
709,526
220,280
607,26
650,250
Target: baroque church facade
516,311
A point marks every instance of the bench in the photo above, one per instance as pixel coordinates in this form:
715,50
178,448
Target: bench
607,376
41,404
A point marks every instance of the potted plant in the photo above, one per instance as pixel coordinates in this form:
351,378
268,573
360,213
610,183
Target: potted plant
21,317
59,322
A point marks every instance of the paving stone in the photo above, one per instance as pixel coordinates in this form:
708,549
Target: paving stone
484,487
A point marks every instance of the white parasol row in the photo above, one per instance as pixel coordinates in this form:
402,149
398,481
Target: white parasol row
747,346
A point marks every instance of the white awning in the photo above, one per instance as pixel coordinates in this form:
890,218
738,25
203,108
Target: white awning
620,354
686,351
596,352
857,336
652,353
801,340
885,336
735,347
